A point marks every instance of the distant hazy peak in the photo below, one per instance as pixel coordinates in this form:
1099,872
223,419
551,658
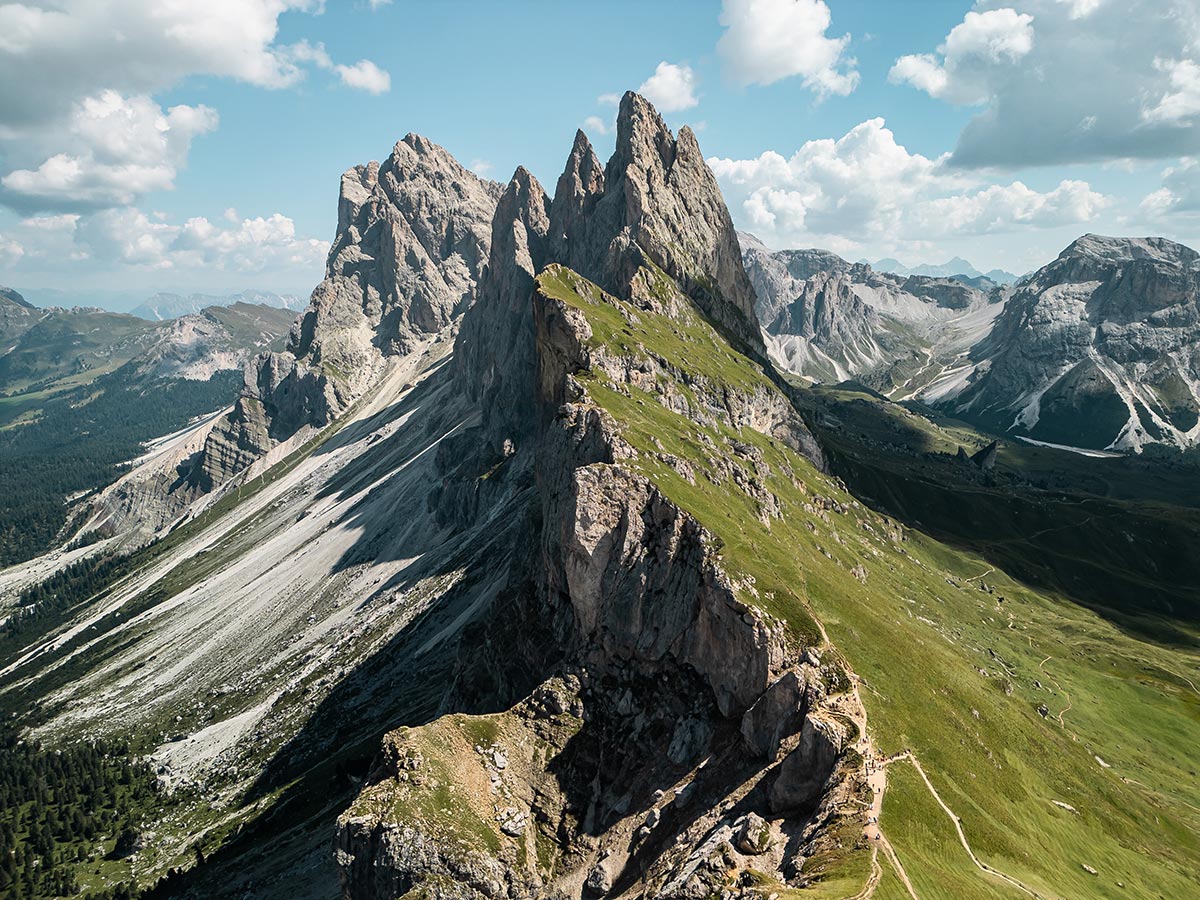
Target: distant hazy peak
167,305
13,297
748,241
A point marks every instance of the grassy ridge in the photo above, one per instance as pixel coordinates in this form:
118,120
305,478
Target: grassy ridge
951,670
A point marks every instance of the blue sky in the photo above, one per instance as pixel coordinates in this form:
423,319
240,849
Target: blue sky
200,148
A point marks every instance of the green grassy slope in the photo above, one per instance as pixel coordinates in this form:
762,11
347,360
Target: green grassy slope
67,348
952,670
1115,534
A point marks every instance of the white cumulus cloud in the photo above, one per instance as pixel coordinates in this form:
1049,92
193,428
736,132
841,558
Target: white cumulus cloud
1180,103
1068,81
867,189
126,235
10,251
52,57
961,72
78,125
120,149
129,237
769,40
596,125
1179,194
365,76
671,88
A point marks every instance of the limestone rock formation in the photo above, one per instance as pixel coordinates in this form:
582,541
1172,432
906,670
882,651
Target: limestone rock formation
658,657
1100,348
656,199
667,662
495,361
412,242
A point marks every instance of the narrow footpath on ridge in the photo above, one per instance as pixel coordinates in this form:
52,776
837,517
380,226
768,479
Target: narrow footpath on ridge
876,766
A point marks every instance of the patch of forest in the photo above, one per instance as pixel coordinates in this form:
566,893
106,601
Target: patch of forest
79,441
67,811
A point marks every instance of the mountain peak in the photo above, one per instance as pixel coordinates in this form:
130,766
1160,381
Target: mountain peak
13,297
656,196
494,352
417,156
642,134
422,145
1127,249
579,186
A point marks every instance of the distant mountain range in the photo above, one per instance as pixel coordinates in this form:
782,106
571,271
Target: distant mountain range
162,305
81,389
1099,349
46,352
170,306
954,268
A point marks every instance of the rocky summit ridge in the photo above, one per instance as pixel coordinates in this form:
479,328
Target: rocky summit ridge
411,255
657,195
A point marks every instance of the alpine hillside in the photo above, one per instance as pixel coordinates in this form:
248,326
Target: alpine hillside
523,572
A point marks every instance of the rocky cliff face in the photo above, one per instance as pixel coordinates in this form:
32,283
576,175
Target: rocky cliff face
663,659
596,780
1100,348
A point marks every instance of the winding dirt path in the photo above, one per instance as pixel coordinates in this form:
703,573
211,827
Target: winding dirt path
962,837
1189,681
876,769
1070,703
876,766
989,571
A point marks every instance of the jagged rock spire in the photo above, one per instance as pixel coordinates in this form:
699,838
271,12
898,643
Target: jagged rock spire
657,196
495,348
579,187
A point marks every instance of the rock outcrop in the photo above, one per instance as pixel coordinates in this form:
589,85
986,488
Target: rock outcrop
494,358
412,242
